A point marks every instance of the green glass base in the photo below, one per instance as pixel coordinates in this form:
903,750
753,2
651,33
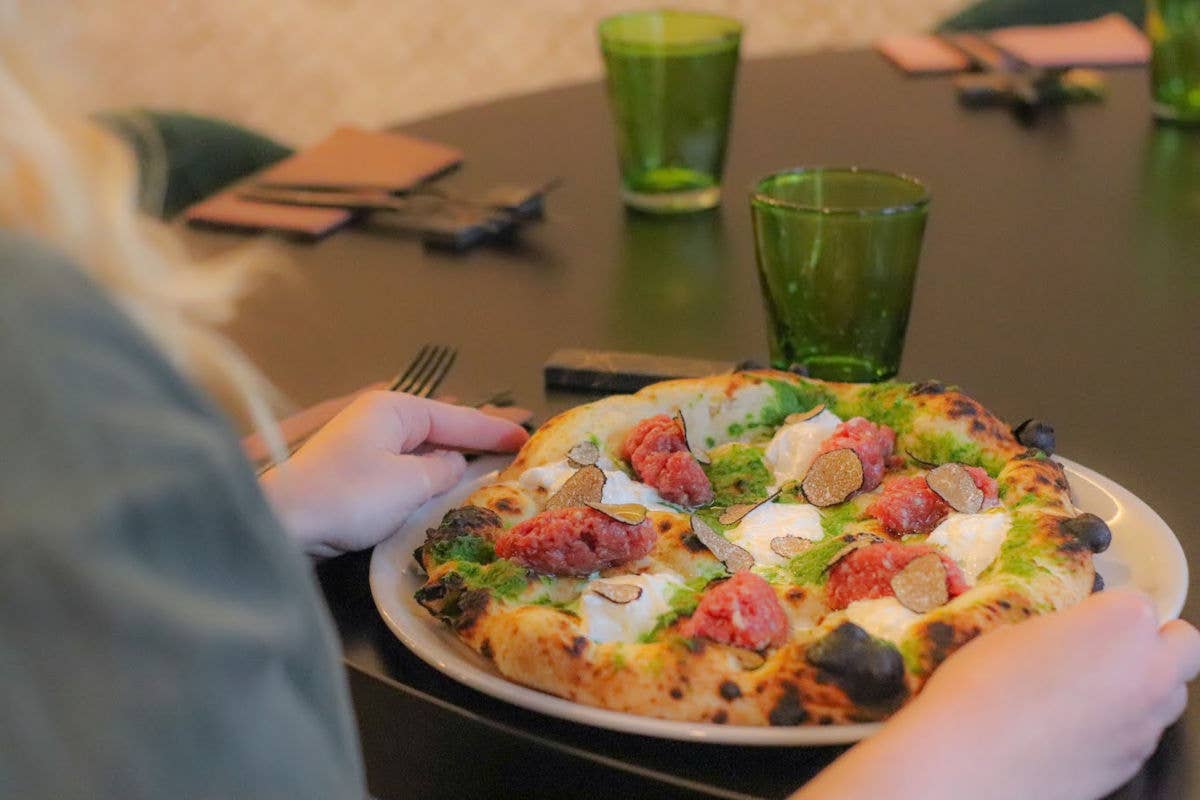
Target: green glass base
681,202
1169,113
848,369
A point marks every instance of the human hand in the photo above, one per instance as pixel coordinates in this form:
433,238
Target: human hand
1063,706
355,481
299,426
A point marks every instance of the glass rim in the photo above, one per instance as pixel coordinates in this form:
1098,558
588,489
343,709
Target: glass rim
759,197
732,32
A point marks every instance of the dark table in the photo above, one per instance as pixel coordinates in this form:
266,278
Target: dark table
1059,280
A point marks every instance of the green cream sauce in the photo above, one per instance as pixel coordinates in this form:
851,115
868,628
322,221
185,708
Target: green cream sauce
471,548
883,403
738,475
1016,557
809,568
503,578
791,399
945,447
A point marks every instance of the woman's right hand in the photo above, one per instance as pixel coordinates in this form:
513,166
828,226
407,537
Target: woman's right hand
1063,706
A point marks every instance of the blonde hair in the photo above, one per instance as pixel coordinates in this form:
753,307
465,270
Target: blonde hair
73,185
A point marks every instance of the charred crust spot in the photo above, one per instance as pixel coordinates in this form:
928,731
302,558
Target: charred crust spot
464,521
1004,604
848,537
676,693
1097,583
1088,530
721,717
431,592
788,710
795,594
485,649
869,671
664,525
693,544
962,407
506,505
729,690
1036,434
927,387
577,646
978,426
941,636
471,605
824,719
760,688
1042,480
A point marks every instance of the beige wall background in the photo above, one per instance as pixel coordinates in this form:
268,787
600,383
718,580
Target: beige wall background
296,68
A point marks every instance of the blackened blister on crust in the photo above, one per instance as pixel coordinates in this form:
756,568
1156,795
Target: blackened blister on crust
465,521
1037,434
471,606
941,636
963,407
927,387
430,593
869,671
578,645
506,505
441,596
788,710
729,690
1097,583
1090,530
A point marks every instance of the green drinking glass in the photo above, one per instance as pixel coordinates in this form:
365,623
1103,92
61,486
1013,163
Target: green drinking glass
837,252
1173,27
670,85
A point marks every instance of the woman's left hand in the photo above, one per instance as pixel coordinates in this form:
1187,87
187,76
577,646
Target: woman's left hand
357,479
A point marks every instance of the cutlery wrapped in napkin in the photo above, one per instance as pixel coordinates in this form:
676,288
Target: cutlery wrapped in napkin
349,158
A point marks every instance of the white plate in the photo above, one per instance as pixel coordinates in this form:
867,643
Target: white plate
1144,554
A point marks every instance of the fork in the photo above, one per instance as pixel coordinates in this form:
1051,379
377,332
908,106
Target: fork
426,372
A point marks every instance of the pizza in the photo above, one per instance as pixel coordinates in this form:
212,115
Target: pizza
759,548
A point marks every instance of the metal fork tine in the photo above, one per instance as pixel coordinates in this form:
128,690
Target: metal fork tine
441,373
418,378
428,369
405,376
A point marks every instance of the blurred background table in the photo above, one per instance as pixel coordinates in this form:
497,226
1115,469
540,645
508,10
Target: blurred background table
1059,280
